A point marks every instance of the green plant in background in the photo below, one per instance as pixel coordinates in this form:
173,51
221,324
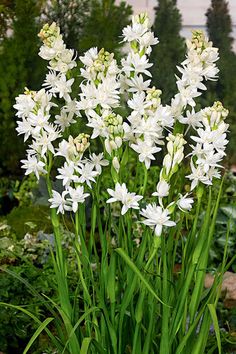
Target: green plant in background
104,25
71,17
170,51
6,14
226,219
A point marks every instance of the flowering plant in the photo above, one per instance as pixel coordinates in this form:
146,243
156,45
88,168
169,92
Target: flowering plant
127,208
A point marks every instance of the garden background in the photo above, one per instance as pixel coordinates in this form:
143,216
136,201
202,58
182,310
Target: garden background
25,227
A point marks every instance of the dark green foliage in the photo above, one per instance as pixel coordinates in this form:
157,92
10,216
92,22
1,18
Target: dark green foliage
71,16
226,220
16,327
103,28
25,219
20,66
170,51
29,259
6,15
219,25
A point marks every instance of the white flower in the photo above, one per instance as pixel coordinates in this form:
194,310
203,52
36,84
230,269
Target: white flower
44,141
49,53
135,63
145,149
164,116
98,161
63,87
77,196
38,121
33,165
137,103
192,119
89,57
67,174
137,84
86,173
197,175
58,201
133,32
97,123
64,120
67,149
24,105
150,129
156,217
51,80
121,194
162,189
24,127
184,203
210,159
148,40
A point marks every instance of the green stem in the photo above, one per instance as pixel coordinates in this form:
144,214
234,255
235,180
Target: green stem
164,346
144,184
61,269
157,243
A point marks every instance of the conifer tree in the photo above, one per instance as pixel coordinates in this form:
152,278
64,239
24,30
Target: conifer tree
20,67
104,25
71,17
170,51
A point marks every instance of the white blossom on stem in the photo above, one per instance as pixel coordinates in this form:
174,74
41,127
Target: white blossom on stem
156,217
121,194
59,201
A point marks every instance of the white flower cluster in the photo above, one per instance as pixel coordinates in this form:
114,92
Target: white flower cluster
34,111
199,65
45,117
148,118
100,95
76,172
54,49
211,144
36,121
158,216
121,194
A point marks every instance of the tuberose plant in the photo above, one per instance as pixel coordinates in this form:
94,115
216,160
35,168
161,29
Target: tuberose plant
129,180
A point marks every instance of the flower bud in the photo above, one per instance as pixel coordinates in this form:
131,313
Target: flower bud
116,164
167,162
162,189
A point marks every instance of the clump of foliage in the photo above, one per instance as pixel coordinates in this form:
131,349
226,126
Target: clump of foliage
104,25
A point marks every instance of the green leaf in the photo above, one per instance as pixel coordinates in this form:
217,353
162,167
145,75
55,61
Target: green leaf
85,345
81,319
111,279
37,333
132,266
212,310
229,210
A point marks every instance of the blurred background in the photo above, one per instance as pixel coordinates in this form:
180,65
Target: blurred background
87,23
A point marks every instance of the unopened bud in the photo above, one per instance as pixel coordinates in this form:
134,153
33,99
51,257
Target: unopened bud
116,164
